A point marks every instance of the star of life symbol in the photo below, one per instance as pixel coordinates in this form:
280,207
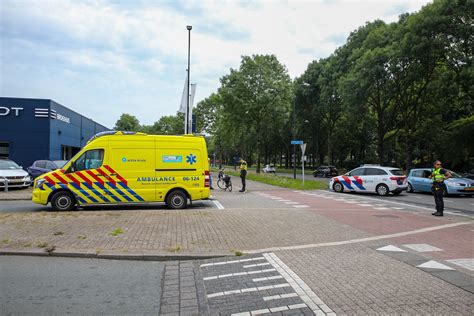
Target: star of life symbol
190,159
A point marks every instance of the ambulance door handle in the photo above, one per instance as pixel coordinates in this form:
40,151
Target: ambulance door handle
113,174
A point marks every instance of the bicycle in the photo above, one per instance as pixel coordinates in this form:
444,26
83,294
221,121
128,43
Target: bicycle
224,182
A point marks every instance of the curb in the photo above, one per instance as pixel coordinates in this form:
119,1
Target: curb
112,255
16,199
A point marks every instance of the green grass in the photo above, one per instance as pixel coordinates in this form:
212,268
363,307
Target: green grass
116,232
283,182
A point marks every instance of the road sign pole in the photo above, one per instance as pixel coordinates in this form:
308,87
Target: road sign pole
294,161
303,149
294,143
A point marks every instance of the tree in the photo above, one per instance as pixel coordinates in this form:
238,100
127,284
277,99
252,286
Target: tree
255,101
127,122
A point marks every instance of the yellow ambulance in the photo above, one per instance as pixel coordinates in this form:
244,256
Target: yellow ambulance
124,167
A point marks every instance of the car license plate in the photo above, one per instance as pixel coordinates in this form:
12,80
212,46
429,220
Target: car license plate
469,189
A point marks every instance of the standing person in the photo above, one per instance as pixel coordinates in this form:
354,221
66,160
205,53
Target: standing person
210,175
438,175
243,173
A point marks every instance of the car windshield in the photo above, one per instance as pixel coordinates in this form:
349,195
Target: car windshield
60,163
397,172
8,165
454,174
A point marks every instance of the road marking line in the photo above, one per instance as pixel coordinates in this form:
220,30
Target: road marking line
407,205
215,277
218,204
360,240
285,200
364,204
230,262
422,247
256,265
434,265
381,208
304,292
276,277
246,290
465,263
300,206
291,203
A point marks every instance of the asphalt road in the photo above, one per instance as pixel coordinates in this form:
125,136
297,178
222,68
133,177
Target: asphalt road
47,286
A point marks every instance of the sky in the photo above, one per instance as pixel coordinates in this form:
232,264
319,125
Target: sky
104,58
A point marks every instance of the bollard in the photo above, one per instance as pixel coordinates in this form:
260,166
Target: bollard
5,181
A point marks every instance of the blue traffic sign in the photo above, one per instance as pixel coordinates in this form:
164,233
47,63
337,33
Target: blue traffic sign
297,142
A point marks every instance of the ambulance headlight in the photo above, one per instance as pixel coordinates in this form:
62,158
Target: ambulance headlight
39,183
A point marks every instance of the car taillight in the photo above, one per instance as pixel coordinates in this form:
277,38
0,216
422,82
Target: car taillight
207,179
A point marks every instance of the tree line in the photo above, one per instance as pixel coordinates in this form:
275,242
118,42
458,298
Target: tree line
398,94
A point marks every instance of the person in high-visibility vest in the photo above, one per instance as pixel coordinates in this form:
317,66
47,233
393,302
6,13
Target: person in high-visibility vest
243,173
438,175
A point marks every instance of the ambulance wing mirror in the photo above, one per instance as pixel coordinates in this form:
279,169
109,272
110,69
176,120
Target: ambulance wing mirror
72,168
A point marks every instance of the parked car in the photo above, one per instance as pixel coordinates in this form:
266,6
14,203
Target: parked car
10,171
325,171
42,166
269,169
456,185
381,180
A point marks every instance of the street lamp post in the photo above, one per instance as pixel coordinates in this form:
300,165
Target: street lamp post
294,137
189,27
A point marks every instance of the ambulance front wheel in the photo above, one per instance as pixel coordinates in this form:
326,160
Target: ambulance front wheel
338,187
63,201
177,200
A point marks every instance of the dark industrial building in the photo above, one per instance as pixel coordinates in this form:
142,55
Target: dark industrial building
35,129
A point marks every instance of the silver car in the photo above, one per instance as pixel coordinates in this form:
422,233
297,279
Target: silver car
12,174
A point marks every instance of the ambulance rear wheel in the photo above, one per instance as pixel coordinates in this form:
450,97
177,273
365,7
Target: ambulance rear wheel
338,187
177,200
63,201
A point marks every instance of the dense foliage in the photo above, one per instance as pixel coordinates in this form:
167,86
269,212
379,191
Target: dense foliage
396,94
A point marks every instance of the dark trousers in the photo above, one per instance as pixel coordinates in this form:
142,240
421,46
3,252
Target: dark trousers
243,174
438,192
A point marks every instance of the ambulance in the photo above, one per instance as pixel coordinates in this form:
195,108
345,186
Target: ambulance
126,167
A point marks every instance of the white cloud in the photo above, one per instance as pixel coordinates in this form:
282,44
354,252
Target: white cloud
131,57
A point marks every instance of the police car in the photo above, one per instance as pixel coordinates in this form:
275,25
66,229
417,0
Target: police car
370,178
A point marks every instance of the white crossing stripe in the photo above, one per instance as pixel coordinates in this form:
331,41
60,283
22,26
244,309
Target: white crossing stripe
279,296
218,204
422,247
271,310
465,263
246,290
230,262
237,274
380,208
364,204
256,265
300,206
276,277
310,298
391,248
291,203
434,265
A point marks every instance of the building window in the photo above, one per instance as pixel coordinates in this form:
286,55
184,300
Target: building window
4,150
67,152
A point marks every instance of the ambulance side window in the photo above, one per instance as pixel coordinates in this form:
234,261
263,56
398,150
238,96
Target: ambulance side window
91,159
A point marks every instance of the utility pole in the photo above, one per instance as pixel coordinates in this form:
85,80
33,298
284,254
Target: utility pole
189,27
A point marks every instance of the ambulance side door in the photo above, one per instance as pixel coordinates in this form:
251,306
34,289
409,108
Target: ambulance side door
85,177
132,169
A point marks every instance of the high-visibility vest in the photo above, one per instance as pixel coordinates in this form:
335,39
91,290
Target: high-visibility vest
243,165
436,176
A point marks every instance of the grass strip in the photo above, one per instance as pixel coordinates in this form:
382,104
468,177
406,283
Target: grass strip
280,181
